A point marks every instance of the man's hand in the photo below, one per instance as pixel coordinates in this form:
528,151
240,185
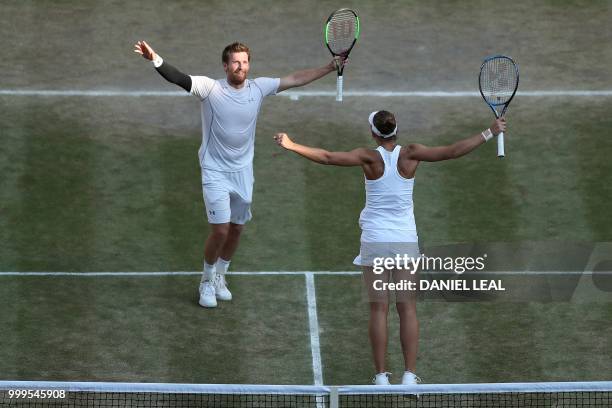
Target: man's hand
498,126
301,78
338,61
144,49
282,139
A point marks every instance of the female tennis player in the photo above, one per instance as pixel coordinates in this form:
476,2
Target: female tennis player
388,225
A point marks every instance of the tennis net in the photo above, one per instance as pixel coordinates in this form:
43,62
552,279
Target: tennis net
92,394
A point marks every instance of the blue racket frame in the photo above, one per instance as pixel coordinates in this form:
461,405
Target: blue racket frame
500,139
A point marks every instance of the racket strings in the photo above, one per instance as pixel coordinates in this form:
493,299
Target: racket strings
341,32
498,80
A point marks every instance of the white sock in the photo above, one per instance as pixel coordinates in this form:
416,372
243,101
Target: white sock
222,266
209,272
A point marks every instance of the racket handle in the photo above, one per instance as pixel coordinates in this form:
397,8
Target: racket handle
500,145
339,89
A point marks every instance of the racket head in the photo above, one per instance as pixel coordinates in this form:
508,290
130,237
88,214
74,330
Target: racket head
341,31
498,81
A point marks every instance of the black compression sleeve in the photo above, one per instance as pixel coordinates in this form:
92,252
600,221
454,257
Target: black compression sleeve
171,74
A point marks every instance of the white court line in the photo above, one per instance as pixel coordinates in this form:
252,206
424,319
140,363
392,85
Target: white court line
295,95
293,273
178,273
313,325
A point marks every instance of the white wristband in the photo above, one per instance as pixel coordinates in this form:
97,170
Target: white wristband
487,135
157,61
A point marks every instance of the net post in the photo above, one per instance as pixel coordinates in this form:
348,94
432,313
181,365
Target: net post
333,397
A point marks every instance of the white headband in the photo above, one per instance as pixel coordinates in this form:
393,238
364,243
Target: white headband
375,129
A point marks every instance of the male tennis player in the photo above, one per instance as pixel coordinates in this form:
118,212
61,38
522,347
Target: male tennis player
229,109
387,222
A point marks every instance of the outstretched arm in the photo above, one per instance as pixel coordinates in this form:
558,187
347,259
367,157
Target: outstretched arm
301,78
457,149
170,73
357,157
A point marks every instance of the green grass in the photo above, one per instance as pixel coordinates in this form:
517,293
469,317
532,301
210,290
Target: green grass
119,193
101,185
152,329
113,184
468,342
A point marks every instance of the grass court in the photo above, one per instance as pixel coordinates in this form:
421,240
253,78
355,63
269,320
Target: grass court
112,184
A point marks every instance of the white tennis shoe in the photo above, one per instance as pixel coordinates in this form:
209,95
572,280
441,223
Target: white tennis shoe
221,290
207,294
381,379
410,378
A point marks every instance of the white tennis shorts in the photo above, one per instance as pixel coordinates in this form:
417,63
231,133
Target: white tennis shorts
228,195
386,244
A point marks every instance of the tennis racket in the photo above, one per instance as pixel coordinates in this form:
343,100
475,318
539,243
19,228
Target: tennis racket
498,82
341,34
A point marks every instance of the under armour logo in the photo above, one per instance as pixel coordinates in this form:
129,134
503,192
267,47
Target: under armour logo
211,212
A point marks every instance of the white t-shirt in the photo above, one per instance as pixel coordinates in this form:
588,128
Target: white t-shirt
229,118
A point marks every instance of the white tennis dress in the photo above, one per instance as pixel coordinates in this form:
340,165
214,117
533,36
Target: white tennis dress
387,221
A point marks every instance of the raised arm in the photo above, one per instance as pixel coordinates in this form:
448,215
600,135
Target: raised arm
357,157
170,73
301,78
462,147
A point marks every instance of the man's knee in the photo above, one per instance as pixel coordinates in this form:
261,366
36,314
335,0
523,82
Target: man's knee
235,229
220,232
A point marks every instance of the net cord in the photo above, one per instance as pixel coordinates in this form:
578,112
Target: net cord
169,388
539,387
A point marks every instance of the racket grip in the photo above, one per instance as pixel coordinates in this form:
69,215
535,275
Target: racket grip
339,88
500,145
